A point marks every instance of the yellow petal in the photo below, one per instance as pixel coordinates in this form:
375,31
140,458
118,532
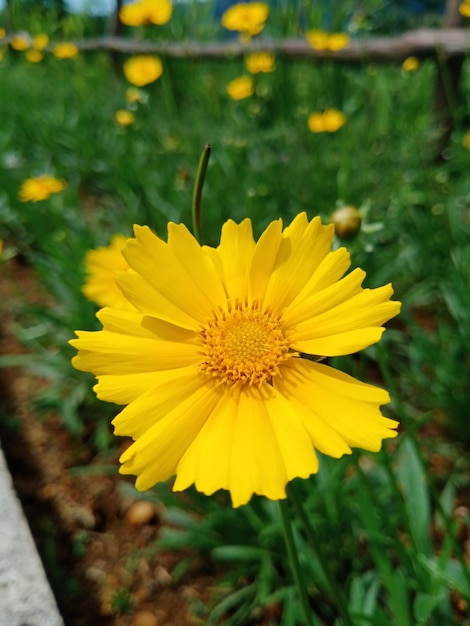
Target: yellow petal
340,344
104,352
303,247
338,401
365,310
240,436
156,453
148,405
160,265
234,257
263,260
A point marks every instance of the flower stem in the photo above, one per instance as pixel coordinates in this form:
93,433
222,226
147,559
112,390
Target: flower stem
294,561
197,194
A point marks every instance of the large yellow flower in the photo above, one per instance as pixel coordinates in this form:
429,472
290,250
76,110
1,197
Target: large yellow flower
40,188
101,265
146,12
248,18
214,364
142,69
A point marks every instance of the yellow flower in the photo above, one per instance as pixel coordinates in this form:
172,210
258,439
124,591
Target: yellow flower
124,117
329,121
3,33
65,50
410,64
40,188
320,40
40,41
134,95
34,56
214,364
246,18
20,42
464,8
146,12
142,69
257,62
466,140
101,266
241,87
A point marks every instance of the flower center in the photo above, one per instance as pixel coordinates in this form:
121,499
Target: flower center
244,345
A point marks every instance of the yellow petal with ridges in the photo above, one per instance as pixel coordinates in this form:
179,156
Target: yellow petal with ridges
348,406
234,257
159,265
155,455
104,352
167,389
262,262
326,273
302,249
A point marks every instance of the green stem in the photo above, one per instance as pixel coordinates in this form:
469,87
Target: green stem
335,589
294,561
197,194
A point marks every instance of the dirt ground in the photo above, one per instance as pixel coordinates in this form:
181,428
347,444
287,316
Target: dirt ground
97,543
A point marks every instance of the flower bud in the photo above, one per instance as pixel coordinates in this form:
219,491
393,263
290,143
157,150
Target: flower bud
347,221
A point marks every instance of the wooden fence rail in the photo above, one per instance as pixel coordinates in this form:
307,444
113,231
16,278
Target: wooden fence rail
424,43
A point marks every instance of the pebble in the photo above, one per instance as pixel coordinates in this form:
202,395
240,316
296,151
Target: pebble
140,513
144,618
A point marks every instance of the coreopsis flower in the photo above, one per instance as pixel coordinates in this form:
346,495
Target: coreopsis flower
146,12
258,62
329,121
124,117
320,40
34,56
40,188
240,88
247,18
40,41
219,363
101,266
142,69
20,42
410,64
464,8
65,50
3,33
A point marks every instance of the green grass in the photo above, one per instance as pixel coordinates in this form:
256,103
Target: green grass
382,526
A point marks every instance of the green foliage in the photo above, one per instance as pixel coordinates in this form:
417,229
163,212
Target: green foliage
379,544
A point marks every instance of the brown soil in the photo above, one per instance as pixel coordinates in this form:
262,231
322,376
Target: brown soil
97,542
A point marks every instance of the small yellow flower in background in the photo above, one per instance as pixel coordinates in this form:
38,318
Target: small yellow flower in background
133,95
40,188
211,363
329,121
33,56
3,33
240,88
320,40
65,50
246,18
257,62
146,12
40,41
124,117
466,140
464,8
101,265
410,64
1,55
142,69
20,42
